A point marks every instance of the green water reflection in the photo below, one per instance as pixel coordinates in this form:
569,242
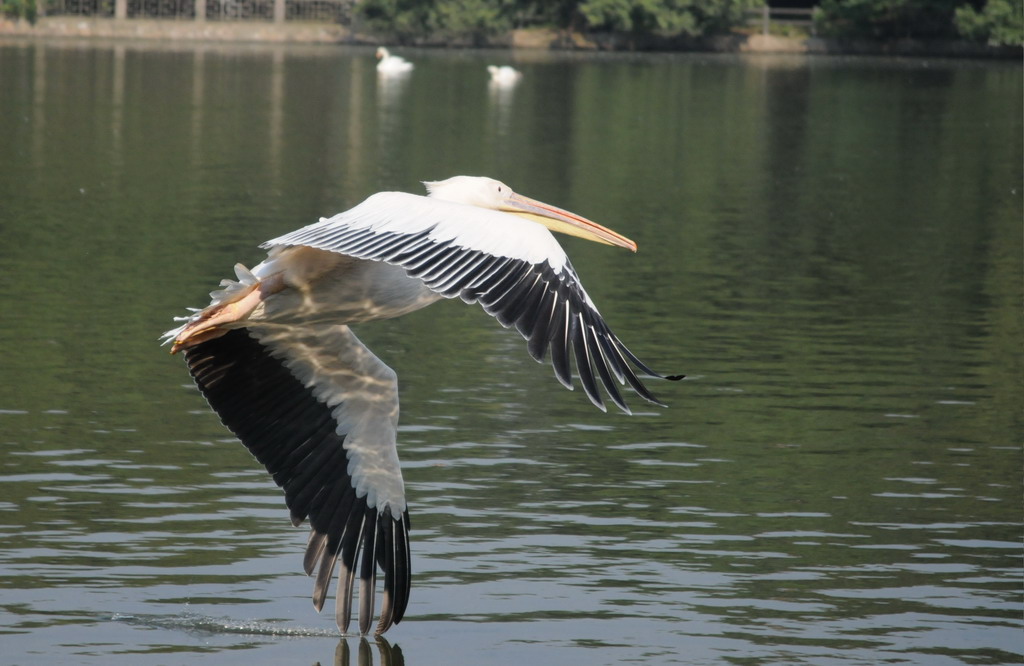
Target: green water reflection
829,248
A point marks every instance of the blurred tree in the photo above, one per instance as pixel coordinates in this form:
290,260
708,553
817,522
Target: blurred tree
470,18
556,13
690,17
999,23
921,19
403,18
23,9
441,18
478,18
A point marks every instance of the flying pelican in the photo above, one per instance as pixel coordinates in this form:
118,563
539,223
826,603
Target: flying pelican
391,64
504,75
275,358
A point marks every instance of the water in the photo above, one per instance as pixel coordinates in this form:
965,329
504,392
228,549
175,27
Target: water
829,248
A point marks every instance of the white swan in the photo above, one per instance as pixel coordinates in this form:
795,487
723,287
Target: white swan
390,64
504,75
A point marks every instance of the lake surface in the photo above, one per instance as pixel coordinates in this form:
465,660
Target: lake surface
830,249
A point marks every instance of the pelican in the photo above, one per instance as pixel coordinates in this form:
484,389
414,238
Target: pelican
504,75
274,355
391,64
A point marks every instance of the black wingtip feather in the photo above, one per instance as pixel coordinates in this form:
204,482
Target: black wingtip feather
583,368
368,570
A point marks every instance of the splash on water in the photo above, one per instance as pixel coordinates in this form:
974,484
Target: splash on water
193,622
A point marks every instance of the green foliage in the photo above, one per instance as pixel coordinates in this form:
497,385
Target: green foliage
996,22
441,18
1000,23
885,19
477,18
467,17
554,13
404,18
23,9
690,17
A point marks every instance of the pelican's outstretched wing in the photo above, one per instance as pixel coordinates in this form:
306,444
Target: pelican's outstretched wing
320,411
513,267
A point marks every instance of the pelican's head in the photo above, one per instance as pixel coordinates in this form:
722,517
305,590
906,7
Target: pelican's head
496,195
382,53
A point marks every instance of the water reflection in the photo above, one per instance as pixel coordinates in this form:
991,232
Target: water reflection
198,101
500,92
39,106
388,655
391,118
275,100
117,110
390,88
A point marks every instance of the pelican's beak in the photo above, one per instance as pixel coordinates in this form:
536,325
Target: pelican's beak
563,221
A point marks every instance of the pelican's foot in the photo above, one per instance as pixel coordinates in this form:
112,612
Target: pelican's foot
212,322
